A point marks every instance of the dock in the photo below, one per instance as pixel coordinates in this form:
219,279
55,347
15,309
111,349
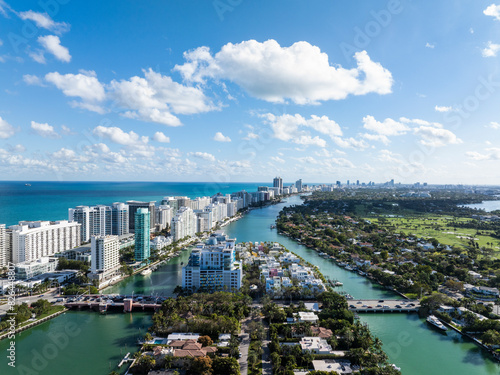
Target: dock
383,306
125,360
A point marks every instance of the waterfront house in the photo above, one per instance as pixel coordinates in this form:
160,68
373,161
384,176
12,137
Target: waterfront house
315,345
329,365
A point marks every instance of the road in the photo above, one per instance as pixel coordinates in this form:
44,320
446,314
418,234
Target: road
51,295
244,345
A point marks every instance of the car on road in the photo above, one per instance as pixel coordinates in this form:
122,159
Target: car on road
364,306
381,300
359,303
411,305
398,307
352,306
379,305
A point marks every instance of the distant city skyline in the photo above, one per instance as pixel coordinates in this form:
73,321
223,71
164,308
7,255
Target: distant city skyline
319,90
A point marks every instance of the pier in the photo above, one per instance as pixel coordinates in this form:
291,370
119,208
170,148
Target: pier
384,306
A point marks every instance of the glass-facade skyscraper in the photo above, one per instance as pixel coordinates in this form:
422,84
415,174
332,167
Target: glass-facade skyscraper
142,226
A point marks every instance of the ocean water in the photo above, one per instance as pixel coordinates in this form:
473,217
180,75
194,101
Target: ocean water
45,200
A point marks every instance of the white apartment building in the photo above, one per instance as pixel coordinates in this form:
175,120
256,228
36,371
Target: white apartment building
164,214
101,220
105,252
204,220
160,242
5,253
200,203
183,224
213,268
32,240
231,209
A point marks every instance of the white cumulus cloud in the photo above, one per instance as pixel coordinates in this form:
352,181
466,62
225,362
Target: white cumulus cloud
492,154
83,85
6,129
273,73
43,20
442,108
436,137
219,137
202,155
388,127
30,79
117,135
295,128
52,44
45,130
156,98
493,10
376,137
491,49
277,159
160,137
494,125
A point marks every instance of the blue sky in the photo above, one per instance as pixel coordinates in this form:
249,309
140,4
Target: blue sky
234,90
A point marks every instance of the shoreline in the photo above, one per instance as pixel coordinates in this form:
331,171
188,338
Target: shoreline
33,324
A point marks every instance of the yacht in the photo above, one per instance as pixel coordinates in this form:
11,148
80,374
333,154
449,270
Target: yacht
431,319
146,272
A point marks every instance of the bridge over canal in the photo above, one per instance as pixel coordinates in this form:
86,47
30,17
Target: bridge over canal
385,306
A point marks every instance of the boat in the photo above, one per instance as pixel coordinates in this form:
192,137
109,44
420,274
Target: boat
146,272
338,283
27,184
431,319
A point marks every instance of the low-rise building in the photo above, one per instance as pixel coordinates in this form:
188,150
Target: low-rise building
315,345
30,269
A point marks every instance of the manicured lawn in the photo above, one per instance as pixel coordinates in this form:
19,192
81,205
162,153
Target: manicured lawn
52,310
434,226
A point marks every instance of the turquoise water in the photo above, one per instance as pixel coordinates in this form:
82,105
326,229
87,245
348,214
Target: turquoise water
420,349
50,200
161,282
76,343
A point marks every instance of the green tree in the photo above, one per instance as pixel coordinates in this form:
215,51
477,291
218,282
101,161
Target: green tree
201,366
491,337
205,340
225,366
144,365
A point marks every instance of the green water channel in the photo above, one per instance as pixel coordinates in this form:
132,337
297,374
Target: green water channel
101,340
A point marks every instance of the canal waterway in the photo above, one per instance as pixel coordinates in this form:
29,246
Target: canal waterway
76,343
161,282
102,340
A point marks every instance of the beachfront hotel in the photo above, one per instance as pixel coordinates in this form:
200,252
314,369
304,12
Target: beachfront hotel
32,240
